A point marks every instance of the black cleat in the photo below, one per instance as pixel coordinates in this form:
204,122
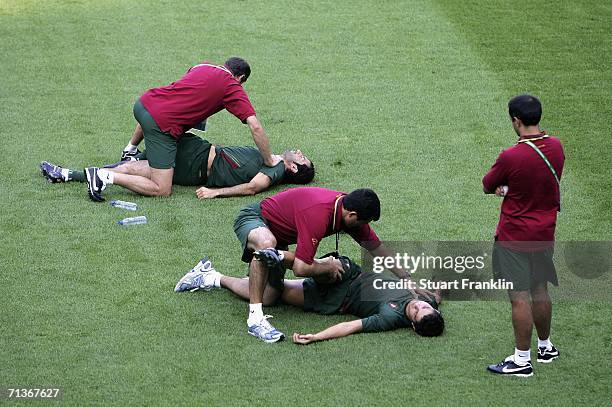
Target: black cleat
547,355
52,172
95,185
509,368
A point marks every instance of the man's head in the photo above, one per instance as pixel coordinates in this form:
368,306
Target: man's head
239,68
524,111
426,320
360,207
298,168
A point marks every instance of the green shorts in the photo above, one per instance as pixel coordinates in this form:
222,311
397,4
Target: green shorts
523,269
329,299
250,218
191,161
191,164
161,146
324,299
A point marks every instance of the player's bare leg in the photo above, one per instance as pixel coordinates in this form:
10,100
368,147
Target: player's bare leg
159,183
519,363
522,319
541,307
260,238
293,293
140,168
240,287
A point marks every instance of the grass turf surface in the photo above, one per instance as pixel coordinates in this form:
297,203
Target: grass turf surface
408,98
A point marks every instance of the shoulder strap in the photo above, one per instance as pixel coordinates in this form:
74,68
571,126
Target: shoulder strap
541,154
334,223
552,169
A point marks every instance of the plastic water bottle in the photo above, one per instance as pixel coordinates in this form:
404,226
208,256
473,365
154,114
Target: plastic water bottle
131,206
137,220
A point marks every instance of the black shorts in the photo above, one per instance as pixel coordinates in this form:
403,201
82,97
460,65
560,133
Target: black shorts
523,269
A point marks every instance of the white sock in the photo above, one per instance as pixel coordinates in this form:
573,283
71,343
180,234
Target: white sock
255,314
545,343
130,148
106,176
217,282
522,357
65,172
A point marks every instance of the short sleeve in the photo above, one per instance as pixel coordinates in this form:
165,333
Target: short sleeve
388,318
275,173
377,323
309,235
497,175
366,237
237,102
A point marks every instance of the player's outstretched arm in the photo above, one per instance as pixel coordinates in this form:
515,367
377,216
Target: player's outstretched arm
262,142
336,331
260,182
137,136
328,270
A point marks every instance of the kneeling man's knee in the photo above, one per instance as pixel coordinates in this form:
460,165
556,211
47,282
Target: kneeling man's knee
261,238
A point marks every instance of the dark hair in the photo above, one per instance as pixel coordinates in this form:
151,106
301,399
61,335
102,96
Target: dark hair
527,108
238,66
304,174
430,325
365,202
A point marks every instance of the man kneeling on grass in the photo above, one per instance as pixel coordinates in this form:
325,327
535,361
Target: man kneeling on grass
356,294
219,171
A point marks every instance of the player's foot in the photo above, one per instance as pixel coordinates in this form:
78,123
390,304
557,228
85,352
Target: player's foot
266,332
202,276
509,368
269,257
52,172
546,355
127,155
95,185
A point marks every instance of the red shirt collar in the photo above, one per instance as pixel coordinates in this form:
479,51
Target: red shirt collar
533,136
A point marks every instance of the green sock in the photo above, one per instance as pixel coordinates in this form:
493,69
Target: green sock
76,175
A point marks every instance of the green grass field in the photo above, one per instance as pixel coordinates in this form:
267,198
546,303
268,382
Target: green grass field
406,97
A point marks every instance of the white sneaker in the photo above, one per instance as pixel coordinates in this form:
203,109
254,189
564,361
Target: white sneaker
202,276
265,331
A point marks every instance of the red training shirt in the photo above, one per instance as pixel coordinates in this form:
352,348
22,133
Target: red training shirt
203,91
305,216
529,210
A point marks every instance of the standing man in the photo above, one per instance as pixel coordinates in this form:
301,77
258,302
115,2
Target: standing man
527,177
301,216
164,114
